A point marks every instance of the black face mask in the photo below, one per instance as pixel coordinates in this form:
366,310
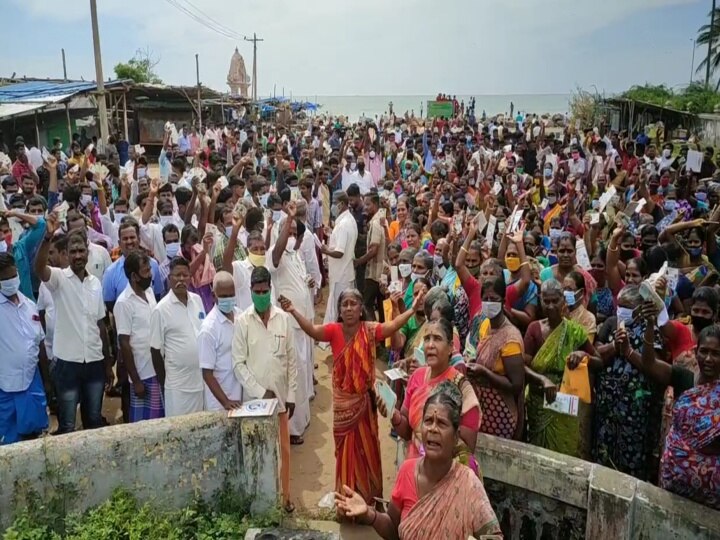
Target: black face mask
700,322
144,283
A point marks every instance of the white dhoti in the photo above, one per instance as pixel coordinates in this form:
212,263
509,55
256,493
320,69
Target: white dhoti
334,292
179,402
301,417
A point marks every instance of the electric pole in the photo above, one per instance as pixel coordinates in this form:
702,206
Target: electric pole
197,75
254,40
102,108
710,44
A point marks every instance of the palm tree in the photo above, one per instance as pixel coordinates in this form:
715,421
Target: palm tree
704,36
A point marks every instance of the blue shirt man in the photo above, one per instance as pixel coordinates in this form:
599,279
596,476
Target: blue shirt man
115,280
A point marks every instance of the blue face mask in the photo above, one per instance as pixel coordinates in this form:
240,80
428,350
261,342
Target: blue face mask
569,298
703,205
172,249
226,305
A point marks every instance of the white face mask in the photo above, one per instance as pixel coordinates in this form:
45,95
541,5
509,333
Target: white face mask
277,215
405,269
667,153
414,276
372,154
290,248
119,217
228,231
491,309
165,220
85,199
10,287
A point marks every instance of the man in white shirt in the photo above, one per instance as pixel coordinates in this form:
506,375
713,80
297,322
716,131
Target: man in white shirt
340,251
292,281
264,362
174,327
222,388
363,178
132,312
84,365
23,404
309,257
98,257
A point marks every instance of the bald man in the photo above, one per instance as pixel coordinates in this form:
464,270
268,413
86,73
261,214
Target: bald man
222,389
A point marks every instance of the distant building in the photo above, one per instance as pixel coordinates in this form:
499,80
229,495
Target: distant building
238,80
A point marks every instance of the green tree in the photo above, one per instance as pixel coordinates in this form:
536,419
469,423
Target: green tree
140,68
703,38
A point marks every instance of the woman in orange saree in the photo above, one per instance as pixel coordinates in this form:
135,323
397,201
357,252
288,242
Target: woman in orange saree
434,496
355,425
437,343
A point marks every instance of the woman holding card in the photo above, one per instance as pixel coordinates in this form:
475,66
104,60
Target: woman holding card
355,426
548,344
497,370
407,422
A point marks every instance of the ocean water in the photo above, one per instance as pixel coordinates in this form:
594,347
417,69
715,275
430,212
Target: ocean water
356,106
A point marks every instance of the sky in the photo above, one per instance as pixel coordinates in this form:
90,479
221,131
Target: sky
371,47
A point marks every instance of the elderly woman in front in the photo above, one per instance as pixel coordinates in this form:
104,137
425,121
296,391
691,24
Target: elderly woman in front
434,496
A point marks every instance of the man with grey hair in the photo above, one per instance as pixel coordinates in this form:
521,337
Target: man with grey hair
340,251
222,388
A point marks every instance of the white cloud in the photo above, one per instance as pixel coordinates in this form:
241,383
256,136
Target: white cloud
330,47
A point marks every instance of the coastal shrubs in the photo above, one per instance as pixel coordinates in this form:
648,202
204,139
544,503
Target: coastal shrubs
122,517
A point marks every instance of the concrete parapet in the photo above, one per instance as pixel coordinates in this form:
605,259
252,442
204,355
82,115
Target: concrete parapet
541,494
169,461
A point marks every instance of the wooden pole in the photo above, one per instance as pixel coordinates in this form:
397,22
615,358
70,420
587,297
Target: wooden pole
199,95
125,116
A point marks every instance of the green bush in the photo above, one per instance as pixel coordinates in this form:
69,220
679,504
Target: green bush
122,518
695,98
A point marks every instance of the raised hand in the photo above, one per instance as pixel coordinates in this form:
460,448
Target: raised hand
207,242
52,224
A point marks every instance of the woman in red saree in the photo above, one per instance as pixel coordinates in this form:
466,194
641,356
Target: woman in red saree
355,425
434,496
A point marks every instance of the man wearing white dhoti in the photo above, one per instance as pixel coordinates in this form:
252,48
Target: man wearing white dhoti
291,280
340,251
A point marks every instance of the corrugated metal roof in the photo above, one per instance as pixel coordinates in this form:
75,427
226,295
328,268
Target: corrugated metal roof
46,91
13,109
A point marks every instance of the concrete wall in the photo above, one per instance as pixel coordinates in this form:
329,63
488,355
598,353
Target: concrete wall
538,494
168,461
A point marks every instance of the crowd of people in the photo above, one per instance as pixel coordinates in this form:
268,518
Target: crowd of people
554,288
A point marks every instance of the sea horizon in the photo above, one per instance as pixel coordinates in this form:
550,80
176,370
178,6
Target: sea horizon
366,105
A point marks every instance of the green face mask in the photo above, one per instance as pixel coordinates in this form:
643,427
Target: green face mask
261,301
